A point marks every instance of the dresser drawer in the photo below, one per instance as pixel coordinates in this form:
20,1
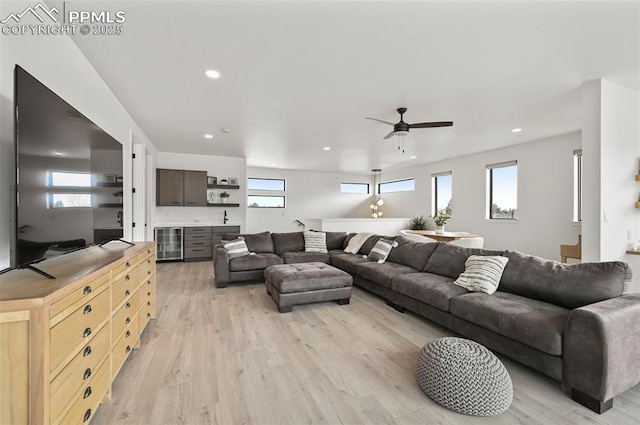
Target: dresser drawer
147,310
148,283
124,286
147,267
124,316
78,328
197,237
88,398
79,370
204,252
124,346
81,295
126,266
199,243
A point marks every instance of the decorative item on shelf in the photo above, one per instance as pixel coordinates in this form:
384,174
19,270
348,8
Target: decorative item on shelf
119,179
418,223
211,198
110,178
440,219
212,180
233,181
376,200
223,181
119,194
224,196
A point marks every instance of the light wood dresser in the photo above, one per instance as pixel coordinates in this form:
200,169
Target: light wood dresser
63,341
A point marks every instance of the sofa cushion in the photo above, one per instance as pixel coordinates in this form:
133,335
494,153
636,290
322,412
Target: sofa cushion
448,260
305,257
315,241
287,242
256,242
335,240
567,285
534,323
347,262
412,253
382,274
428,288
254,262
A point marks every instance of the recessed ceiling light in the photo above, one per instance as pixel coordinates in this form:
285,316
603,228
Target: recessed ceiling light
413,157
212,73
327,148
516,130
208,136
225,130
57,153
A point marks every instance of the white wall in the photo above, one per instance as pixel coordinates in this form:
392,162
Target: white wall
611,147
545,196
58,63
219,166
309,194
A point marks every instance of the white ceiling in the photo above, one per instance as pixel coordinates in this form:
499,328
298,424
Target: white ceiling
298,76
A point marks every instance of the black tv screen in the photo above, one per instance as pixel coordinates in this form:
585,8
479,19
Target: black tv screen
69,176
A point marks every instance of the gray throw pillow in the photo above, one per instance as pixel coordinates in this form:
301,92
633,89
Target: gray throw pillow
482,273
235,248
381,250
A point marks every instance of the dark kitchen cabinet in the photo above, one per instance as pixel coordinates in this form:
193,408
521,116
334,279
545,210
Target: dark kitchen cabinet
181,188
195,188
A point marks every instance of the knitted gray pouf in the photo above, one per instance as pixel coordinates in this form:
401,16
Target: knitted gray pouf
464,376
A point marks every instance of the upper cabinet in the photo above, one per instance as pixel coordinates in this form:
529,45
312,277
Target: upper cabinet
181,188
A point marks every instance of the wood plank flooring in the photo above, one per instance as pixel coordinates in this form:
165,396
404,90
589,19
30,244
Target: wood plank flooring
226,356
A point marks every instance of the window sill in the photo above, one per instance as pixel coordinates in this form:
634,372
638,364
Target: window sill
502,220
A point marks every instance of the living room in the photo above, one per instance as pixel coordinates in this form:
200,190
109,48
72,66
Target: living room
294,81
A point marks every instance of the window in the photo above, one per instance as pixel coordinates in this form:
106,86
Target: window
265,184
72,189
502,185
256,201
442,192
577,185
354,188
405,185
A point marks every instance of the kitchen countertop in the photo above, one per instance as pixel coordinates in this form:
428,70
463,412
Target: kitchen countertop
191,224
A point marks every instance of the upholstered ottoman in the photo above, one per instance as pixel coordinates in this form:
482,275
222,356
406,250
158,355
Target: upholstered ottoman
464,376
303,283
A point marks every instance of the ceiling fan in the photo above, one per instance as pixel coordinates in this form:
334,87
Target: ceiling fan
401,128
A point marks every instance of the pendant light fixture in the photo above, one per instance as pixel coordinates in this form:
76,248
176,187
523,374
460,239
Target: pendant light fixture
376,200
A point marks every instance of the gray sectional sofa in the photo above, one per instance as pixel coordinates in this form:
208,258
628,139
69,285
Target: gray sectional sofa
574,323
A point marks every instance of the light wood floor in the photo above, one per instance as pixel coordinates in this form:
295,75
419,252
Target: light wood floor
226,356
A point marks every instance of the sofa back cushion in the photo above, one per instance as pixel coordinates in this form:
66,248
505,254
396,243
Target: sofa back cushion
368,245
448,260
566,285
288,242
412,253
335,240
256,242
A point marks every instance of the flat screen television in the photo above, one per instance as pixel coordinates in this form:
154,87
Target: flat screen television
68,176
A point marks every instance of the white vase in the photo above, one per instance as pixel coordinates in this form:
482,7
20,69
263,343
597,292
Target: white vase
224,200
440,229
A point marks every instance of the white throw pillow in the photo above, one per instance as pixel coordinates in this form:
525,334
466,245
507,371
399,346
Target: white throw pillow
381,250
356,242
315,241
482,273
235,248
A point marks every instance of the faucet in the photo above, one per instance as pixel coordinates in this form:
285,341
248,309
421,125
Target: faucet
225,217
119,218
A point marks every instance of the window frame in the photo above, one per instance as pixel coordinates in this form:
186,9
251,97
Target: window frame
434,187
490,168
284,201
284,184
58,189
396,181
578,164
368,186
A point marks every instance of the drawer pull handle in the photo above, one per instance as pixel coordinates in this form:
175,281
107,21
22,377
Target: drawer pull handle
148,282
127,305
128,348
128,334
148,272
149,303
127,278
128,264
127,321
87,392
87,290
148,314
149,261
87,309
148,294
87,373
86,332
87,351
127,293
87,415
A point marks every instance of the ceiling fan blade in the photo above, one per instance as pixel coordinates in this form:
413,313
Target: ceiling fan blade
432,124
376,119
390,135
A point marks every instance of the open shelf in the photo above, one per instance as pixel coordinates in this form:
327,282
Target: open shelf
222,186
111,205
229,205
109,184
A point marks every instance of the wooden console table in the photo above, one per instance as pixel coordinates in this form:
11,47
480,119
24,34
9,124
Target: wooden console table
445,236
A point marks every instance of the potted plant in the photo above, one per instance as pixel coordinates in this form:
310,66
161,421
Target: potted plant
418,223
224,196
440,219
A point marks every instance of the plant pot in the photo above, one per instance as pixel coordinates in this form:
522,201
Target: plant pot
223,200
440,229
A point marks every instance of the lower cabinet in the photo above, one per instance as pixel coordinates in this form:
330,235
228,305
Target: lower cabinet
81,332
